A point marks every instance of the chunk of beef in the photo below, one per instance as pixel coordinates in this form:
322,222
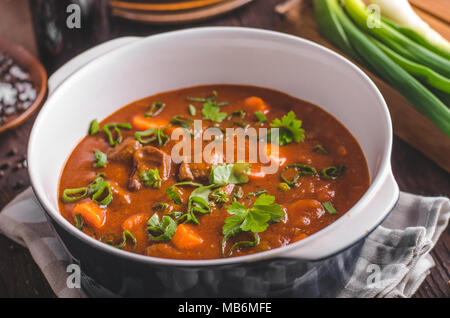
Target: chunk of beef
124,151
146,158
193,171
120,195
198,171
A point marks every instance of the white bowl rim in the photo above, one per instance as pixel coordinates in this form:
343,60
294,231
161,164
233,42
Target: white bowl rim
383,172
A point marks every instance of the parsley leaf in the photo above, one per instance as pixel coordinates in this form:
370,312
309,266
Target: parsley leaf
290,129
229,173
212,112
255,219
211,109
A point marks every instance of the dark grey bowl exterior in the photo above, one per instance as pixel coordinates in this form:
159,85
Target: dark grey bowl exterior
106,275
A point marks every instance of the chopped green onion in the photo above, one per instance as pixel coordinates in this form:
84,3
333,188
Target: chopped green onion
96,184
204,100
333,172
173,194
96,189
188,183
73,195
256,194
161,231
302,170
181,121
160,206
329,207
155,109
126,234
105,186
94,127
79,221
239,244
176,214
153,135
320,148
283,186
239,113
100,159
260,116
192,110
151,178
116,128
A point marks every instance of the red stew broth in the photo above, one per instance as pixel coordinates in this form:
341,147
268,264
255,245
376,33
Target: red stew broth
302,204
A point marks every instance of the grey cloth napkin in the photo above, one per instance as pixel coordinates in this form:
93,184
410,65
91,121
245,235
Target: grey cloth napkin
393,262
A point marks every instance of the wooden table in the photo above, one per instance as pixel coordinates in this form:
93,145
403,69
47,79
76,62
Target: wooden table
19,275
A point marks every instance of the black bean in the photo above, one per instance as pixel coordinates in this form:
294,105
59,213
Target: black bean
12,152
19,184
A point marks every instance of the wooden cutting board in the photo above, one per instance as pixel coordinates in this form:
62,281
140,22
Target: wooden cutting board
172,12
409,124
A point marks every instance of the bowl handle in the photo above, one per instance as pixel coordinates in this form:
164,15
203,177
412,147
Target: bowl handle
73,65
384,201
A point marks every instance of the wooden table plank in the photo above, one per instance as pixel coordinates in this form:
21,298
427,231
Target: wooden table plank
438,8
438,25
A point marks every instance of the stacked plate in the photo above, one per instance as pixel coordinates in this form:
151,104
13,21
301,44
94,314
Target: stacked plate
172,11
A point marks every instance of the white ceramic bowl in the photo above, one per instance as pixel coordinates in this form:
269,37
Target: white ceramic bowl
220,55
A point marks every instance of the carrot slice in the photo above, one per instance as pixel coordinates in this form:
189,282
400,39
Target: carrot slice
185,238
256,103
299,237
143,123
132,222
342,151
305,205
92,214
